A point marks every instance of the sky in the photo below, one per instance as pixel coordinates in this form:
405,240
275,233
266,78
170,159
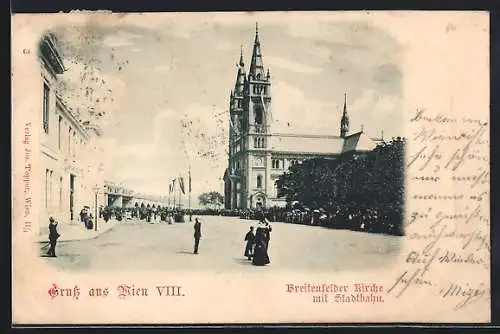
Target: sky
160,84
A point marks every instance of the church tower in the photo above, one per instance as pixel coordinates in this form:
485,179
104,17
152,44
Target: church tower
257,99
344,122
249,112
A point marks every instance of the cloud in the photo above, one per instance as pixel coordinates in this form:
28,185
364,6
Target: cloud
120,38
294,112
292,65
162,68
225,46
372,109
192,137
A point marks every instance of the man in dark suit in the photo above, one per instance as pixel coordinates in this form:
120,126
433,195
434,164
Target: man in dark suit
53,236
197,234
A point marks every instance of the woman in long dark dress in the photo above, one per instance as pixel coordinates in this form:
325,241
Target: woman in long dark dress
249,238
260,256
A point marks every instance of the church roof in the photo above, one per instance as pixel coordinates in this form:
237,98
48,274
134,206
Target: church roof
321,145
358,142
306,144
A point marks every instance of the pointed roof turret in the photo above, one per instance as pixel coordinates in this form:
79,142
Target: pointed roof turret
241,76
257,65
242,63
344,122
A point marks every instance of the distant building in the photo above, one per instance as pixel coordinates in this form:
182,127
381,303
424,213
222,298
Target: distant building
257,157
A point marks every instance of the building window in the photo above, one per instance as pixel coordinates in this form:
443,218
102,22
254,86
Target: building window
75,144
46,94
259,181
59,132
60,192
51,188
258,115
276,163
259,142
69,142
46,188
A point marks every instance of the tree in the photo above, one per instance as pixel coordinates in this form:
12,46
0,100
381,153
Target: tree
373,179
88,87
211,199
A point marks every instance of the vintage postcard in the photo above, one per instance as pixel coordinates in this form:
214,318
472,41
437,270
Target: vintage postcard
270,167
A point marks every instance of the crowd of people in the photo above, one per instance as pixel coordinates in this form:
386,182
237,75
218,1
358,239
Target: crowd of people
386,219
149,214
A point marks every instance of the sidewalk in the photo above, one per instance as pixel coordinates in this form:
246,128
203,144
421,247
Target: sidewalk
75,231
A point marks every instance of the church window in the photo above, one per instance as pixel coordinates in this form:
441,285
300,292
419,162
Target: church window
275,163
259,181
259,142
258,115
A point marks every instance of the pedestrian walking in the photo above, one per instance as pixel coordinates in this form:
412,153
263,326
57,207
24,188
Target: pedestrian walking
197,234
267,231
249,238
260,257
53,236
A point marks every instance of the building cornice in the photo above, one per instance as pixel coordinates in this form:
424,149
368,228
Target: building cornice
293,135
76,124
293,153
50,55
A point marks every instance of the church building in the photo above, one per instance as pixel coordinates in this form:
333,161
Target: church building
257,157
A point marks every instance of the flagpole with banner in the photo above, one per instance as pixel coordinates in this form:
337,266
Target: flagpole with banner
181,189
169,194
173,192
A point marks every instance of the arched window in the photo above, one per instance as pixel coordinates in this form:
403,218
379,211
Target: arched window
259,181
258,115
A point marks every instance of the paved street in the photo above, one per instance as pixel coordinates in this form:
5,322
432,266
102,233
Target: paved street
140,245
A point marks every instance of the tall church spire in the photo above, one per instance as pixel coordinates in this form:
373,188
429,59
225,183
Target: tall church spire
344,122
241,76
257,66
241,56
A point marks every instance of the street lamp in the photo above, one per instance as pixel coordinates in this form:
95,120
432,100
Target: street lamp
96,192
